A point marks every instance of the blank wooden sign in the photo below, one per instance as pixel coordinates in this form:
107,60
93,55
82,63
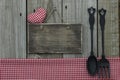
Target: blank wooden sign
54,38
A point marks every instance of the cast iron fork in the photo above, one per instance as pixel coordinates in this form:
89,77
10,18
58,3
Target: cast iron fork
103,64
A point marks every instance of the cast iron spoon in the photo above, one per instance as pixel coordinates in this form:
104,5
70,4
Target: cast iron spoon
92,61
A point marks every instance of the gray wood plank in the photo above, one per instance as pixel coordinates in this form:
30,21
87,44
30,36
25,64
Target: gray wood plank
56,15
69,10
76,12
12,29
21,43
111,28
32,4
119,26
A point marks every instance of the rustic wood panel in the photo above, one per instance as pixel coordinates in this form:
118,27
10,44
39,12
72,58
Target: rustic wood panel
119,27
49,5
12,29
55,38
72,11
76,12
55,16
32,4
111,28
12,25
44,56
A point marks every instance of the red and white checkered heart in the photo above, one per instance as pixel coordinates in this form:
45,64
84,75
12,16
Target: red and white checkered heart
38,16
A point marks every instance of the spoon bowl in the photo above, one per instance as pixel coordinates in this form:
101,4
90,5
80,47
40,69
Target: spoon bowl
92,65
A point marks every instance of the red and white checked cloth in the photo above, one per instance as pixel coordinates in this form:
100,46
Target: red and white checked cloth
51,69
37,17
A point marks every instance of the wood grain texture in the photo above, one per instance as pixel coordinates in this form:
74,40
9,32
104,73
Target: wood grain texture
54,11
76,12
111,28
12,29
49,5
58,38
119,26
44,56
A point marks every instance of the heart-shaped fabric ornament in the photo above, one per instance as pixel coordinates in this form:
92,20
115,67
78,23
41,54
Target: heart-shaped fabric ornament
37,17
40,9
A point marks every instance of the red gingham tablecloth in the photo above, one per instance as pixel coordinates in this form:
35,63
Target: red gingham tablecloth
51,69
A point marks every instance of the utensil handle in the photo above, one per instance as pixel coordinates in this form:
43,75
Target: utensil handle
102,13
91,12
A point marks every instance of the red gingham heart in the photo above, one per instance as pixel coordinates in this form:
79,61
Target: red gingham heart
38,16
40,10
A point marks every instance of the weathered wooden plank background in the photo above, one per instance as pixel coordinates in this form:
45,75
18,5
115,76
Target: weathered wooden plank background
75,11
72,12
12,29
119,26
13,26
111,28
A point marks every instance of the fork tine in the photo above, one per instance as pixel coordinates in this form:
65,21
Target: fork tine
99,71
105,71
108,70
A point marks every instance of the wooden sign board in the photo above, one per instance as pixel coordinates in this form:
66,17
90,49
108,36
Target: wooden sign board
54,38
